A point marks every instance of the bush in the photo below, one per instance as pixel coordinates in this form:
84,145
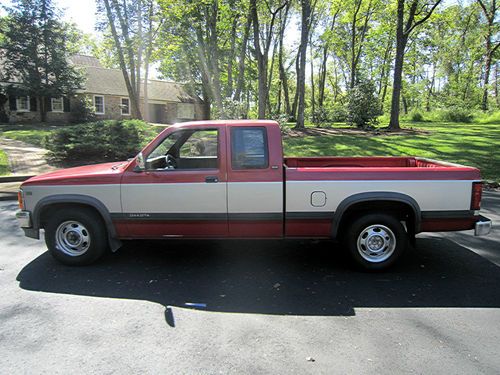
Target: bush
487,117
99,141
457,114
282,120
363,107
416,116
338,113
82,110
320,116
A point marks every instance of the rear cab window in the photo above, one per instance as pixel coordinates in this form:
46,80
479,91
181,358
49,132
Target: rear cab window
249,148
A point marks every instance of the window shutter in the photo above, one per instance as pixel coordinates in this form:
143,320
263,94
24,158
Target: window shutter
48,104
12,103
33,103
66,104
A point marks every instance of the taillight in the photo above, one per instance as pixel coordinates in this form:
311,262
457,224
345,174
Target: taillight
477,190
20,199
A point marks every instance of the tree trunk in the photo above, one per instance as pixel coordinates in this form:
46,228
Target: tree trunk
398,68
134,101
486,82
145,89
140,48
261,62
43,109
214,57
241,60
313,98
229,88
431,89
282,72
402,34
301,73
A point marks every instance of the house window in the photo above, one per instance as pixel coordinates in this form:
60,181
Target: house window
185,111
23,103
125,106
57,104
99,104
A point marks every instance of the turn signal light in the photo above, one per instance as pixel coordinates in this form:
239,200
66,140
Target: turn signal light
477,191
20,199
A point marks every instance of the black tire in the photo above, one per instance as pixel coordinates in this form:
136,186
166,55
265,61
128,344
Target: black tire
376,241
88,229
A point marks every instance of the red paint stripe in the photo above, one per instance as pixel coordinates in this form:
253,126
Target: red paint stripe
308,228
446,225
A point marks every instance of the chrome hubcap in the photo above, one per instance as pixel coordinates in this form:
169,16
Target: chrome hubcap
72,238
376,243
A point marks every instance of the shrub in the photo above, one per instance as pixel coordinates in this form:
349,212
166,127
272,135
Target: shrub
487,117
82,110
416,116
338,113
320,116
282,120
99,141
457,114
363,107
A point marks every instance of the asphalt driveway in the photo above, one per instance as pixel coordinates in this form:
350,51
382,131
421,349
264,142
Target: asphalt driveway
209,307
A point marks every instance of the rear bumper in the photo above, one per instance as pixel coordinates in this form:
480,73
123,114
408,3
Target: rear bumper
482,226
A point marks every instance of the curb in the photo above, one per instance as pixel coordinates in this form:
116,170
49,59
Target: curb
14,178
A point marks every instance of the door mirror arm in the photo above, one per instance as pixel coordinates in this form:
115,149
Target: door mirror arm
140,165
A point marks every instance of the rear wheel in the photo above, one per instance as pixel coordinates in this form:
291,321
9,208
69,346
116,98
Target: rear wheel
76,237
376,241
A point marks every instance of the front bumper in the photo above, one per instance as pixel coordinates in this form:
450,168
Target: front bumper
24,219
482,226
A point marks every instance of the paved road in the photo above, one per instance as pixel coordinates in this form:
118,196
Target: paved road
269,306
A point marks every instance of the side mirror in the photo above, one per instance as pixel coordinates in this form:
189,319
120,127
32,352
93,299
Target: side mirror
140,163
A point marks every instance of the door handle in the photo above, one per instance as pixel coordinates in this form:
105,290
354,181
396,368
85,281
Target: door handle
211,179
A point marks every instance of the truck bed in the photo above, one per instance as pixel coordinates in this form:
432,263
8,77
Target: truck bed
375,168
320,185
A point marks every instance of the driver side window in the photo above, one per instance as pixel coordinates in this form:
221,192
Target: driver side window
186,149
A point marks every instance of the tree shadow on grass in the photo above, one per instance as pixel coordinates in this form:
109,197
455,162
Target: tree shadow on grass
273,277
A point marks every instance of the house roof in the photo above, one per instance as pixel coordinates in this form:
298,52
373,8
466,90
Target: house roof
107,81
86,60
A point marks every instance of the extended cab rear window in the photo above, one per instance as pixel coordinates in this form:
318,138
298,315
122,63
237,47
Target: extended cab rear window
249,149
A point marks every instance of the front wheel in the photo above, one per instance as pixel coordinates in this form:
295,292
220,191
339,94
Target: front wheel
76,237
376,241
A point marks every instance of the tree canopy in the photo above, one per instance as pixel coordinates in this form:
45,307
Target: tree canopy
35,50
307,59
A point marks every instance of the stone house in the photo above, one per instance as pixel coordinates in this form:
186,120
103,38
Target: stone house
168,102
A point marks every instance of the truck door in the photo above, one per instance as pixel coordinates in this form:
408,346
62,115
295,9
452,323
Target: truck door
182,192
255,181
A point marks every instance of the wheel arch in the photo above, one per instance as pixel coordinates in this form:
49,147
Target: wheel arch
373,201
66,200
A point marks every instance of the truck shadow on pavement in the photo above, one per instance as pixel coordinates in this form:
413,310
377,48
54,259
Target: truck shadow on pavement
272,277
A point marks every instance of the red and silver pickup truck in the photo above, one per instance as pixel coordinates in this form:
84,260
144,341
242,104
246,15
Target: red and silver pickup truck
229,179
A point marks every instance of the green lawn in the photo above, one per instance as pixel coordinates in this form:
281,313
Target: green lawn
474,144
4,164
29,133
